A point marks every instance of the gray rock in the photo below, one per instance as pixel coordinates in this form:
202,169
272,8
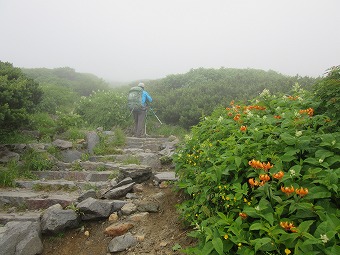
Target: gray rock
147,206
69,156
165,176
21,238
117,205
138,173
95,208
149,159
118,192
90,193
55,219
92,140
128,209
62,144
123,182
6,155
121,243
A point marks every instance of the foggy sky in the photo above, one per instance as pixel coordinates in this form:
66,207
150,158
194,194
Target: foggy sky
126,40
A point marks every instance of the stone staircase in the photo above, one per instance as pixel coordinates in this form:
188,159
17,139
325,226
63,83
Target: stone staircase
67,185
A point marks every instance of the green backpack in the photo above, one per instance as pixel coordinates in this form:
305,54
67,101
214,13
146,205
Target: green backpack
135,98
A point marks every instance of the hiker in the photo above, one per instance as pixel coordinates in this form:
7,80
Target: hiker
139,111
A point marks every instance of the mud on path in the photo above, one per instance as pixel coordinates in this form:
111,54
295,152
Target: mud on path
163,232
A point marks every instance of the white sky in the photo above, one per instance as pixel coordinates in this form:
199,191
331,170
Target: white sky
125,40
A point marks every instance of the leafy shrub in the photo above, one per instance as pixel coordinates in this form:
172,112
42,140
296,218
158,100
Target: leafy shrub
37,161
182,99
327,91
45,124
7,137
19,96
110,144
104,109
8,174
262,179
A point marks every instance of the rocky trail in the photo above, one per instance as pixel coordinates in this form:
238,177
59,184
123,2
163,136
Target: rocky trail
104,205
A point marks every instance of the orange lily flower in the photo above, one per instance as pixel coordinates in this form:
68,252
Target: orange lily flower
288,226
287,190
278,175
243,128
264,177
243,215
301,192
253,183
267,166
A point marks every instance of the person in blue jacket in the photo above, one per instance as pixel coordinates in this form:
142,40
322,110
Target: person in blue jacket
139,115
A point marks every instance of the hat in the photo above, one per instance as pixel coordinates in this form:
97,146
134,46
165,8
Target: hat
141,85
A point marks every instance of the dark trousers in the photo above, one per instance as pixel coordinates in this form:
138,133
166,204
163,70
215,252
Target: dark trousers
139,117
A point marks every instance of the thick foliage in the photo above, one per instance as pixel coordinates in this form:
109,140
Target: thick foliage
327,91
19,96
262,179
81,83
105,109
183,98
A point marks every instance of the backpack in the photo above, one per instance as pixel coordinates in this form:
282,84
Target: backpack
135,98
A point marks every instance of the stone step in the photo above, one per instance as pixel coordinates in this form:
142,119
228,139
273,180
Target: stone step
21,216
90,176
63,185
25,199
152,144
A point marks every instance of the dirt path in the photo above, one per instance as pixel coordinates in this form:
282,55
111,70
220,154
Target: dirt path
163,232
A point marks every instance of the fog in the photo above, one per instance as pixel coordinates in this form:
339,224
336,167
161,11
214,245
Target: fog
127,40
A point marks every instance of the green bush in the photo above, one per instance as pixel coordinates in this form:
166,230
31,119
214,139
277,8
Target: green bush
262,179
104,109
8,174
327,91
37,161
110,144
19,96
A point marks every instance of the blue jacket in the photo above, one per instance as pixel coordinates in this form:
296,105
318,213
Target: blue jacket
146,97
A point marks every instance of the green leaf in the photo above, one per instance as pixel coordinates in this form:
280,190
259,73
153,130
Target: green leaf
206,210
260,242
304,226
258,226
322,154
335,249
218,245
269,217
207,249
318,192
288,139
238,161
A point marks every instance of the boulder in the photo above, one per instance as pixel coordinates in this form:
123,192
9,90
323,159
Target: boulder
121,243
55,219
119,191
92,140
21,238
92,208
62,144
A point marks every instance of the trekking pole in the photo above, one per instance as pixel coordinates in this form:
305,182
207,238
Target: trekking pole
156,115
146,116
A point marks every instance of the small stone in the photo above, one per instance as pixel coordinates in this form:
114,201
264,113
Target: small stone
138,188
128,209
117,230
87,233
163,185
138,217
163,244
113,217
140,238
